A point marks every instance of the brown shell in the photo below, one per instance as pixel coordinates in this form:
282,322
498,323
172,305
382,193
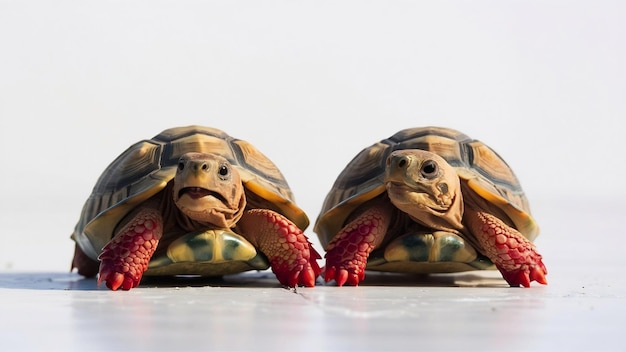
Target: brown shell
146,167
487,174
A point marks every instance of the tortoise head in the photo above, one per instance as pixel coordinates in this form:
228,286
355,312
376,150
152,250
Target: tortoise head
427,188
207,188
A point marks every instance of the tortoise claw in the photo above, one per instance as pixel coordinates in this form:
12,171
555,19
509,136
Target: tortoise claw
116,280
301,274
524,276
539,275
329,273
343,276
307,278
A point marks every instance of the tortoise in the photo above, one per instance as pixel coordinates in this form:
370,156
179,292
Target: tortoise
428,200
192,201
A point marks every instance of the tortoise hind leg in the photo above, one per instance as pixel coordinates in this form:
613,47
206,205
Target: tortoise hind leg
86,266
514,255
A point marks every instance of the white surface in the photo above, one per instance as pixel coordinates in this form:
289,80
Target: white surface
311,84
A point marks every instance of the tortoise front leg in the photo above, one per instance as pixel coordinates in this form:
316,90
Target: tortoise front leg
291,255
125,258
514,255
347,253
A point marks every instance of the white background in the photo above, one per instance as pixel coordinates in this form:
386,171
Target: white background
310,84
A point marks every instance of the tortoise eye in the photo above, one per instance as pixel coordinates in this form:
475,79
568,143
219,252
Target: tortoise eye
181,166
429,169
223,171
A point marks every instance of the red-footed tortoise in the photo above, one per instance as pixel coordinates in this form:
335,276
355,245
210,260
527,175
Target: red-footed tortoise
192,201
428,200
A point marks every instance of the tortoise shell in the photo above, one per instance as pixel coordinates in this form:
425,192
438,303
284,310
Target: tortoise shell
145,169
484,171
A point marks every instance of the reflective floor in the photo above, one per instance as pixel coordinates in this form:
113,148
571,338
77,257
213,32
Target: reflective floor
582,308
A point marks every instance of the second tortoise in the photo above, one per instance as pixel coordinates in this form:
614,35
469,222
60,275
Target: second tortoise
428,200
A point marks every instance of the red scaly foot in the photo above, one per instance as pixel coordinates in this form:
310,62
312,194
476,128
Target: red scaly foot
125,258
291,255
514,255
347,253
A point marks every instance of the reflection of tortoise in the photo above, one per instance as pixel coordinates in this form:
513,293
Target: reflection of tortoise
192,200
428,200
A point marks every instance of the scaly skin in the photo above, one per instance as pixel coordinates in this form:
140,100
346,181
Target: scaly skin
125,258
291,255
514,255
347,253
